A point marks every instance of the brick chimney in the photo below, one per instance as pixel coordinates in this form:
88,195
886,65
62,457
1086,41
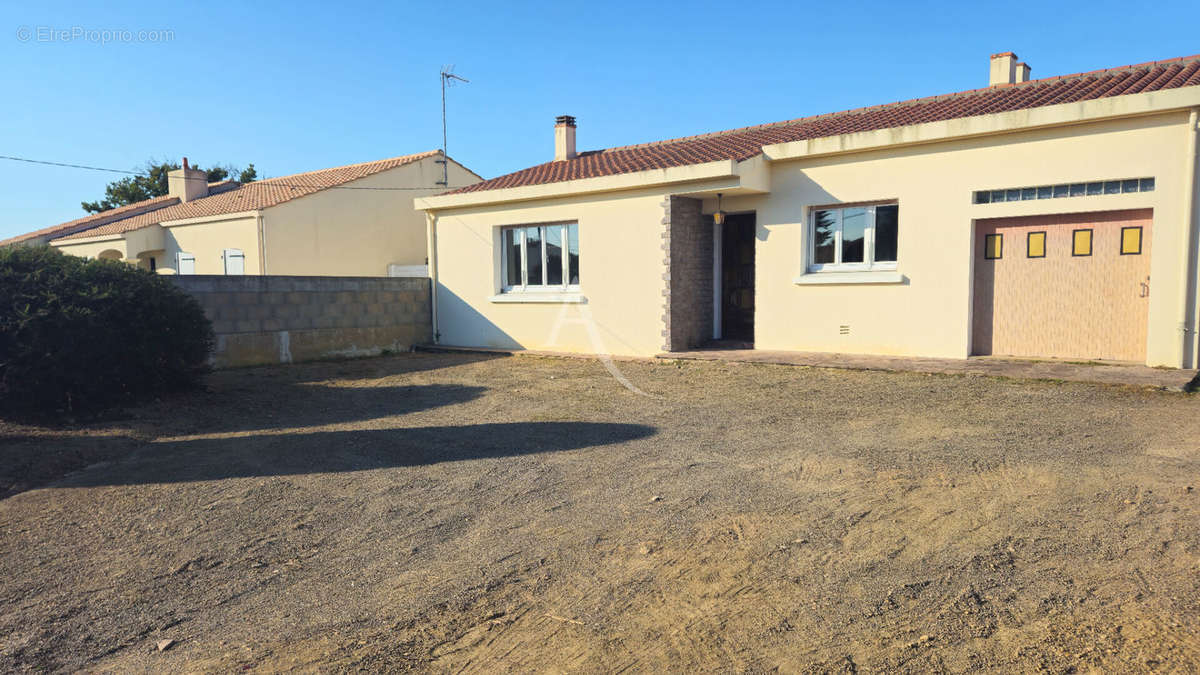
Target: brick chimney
187,183
1004,69
564,138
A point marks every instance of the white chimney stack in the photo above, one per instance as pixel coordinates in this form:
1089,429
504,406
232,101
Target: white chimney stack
1022,72
187,183
564,138
1004,69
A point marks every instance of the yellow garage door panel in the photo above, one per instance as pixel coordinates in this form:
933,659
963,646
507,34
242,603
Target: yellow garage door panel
1077,291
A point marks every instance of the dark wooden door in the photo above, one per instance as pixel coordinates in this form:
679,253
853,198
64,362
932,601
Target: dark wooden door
737,277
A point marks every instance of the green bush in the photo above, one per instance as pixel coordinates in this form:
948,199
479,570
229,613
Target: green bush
79,336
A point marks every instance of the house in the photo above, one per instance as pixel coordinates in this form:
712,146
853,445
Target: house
355,220
1030,218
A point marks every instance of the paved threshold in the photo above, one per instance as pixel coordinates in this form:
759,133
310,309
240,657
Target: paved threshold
1099,372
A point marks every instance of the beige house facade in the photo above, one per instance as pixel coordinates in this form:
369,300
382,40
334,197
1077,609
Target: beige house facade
1048,218
356,220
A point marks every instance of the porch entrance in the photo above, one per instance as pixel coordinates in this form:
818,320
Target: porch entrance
737,278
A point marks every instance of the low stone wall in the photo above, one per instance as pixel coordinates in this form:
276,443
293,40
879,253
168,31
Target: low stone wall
275,319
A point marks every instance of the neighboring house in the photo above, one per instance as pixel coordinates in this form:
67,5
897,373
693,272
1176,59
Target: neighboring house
355,220
1036,218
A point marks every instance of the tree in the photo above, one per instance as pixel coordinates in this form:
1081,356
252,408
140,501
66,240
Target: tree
152,182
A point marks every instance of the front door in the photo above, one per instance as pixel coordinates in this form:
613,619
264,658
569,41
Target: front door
737,277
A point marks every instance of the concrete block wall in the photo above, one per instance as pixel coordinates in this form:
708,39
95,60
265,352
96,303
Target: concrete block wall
278,319
688,296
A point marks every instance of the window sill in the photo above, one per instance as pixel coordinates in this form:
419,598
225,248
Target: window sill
543,298
828,278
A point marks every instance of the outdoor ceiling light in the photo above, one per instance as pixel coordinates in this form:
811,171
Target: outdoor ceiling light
719,216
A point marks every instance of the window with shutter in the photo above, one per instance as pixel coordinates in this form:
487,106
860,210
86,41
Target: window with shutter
235,261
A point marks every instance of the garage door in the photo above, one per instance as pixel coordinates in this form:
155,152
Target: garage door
1066,286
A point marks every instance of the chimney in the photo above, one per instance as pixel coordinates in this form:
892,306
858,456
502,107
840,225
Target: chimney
564,138
1004,69
187,183
1022,72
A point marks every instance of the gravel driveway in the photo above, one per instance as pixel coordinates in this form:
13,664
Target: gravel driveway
455,512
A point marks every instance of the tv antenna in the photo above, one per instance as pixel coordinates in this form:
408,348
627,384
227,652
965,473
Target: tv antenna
448,77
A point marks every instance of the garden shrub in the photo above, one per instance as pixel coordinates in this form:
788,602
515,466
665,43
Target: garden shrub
78,336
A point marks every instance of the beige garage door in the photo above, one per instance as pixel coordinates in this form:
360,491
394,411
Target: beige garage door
1066,286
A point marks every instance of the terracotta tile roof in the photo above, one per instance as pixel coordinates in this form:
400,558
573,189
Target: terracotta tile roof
96,219
234,198
741,144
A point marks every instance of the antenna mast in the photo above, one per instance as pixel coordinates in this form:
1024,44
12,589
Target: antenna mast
448,77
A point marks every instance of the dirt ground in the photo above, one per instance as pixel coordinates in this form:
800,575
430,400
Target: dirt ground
464,513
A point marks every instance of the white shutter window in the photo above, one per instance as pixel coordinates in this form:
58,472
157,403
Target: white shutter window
185,263
235,261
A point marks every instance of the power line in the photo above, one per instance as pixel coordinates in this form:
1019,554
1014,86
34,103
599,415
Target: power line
273,181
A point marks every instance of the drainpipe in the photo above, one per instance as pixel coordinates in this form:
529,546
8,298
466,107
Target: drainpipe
1188,332
262,244
431,256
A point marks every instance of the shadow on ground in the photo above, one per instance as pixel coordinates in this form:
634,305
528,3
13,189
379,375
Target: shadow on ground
386,366
318,404
341,451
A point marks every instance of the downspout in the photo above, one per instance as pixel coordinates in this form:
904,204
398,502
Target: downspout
262,244
431,256
1187,355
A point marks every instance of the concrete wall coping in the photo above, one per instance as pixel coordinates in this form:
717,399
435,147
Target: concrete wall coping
216,283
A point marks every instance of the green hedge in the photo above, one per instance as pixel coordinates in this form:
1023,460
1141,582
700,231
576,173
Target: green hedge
79,336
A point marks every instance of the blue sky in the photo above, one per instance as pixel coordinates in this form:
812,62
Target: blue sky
294,87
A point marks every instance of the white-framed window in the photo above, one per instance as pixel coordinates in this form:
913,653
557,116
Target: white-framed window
540,258
853,238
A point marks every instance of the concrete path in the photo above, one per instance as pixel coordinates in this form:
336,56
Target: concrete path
1076,371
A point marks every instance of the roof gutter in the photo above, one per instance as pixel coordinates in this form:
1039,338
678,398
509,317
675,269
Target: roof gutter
724,168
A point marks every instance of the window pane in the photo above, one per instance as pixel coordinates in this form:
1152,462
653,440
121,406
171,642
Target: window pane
1045,192
1131,240
983,197
512,257
993,246
1095,188
1028,193
1112,187
886,232
1081,242
554,262
533,256
1077,189
824,225
997,195
854,232
1147,184
573,254
1012,195
1129,186
1035,245
1060,191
